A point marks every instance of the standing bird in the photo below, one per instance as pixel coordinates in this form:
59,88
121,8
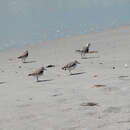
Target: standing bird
23,56
37,73
70,66
84,50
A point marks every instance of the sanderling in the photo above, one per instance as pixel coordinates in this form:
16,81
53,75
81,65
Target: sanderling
23,56
84,50
37,73
70,66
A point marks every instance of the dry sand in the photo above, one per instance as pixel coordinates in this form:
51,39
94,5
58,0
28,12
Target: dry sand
59,101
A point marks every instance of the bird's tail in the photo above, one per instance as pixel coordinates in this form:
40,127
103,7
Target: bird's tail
19,57
79,51
30,74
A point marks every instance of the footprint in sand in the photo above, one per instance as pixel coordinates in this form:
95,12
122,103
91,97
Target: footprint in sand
27,117
2,71
2,82
112,110
126,109
23,105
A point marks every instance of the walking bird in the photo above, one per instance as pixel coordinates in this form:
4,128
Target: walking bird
23,56
84,50
70,66
37,73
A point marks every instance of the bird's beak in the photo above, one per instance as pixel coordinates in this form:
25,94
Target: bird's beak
78,62
45,69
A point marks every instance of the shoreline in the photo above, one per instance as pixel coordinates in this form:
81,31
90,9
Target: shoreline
67,37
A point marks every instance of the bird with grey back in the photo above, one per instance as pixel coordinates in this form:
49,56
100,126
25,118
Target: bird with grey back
84,50
37,73
23,56
70,66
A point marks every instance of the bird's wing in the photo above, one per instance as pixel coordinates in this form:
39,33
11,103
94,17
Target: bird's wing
23,54
71,64
84,48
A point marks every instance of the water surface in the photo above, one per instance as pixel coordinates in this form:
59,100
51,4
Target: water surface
35,21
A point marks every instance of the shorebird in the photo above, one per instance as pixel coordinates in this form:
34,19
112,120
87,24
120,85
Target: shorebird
37,73
70,66
84,50
23,56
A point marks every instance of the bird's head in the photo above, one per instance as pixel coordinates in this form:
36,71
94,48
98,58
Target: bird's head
26,51
88,44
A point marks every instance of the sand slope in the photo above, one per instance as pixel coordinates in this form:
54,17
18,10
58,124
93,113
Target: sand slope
58,101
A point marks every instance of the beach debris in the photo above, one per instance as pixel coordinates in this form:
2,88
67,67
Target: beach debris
23,56
49,66
125,65
89,104
37,73
99,85
123,77
55,95
70,66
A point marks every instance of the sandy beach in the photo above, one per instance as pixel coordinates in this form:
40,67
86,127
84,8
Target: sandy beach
59,101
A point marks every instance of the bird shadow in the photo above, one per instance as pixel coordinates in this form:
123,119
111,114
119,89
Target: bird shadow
93,52
94,57
124,77
31,61
2,82
47,80
77,73
50,66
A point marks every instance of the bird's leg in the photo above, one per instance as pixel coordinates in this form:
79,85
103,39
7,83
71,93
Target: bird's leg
70,72
37,78
81,55
84,54
22,60
88,50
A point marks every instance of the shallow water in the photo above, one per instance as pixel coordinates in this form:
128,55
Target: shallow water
35,21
